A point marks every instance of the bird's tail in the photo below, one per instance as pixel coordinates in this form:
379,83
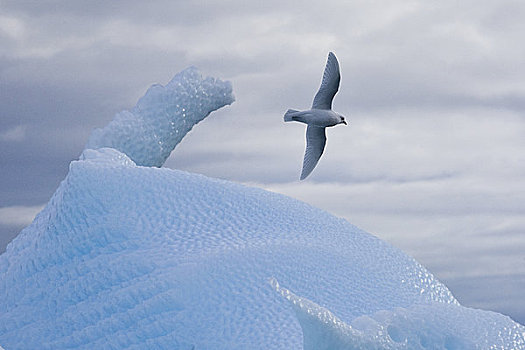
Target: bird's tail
288,116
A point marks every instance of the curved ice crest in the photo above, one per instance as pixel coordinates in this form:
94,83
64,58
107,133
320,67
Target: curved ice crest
162,117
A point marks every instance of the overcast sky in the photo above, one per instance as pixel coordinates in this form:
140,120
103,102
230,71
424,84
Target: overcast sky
432,160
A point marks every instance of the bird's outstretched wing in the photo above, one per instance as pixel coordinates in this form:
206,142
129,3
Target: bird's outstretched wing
315,141
329,85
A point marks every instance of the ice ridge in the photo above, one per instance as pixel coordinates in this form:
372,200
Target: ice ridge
429,325
162,117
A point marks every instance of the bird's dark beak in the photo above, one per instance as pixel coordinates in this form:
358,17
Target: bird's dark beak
344,122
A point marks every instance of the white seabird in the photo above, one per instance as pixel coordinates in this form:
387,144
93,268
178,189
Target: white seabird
319,117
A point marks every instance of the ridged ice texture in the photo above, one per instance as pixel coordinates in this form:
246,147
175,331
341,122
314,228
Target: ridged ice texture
430,325
128,257
162,117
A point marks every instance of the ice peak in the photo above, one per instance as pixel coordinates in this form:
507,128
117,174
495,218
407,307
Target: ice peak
162,117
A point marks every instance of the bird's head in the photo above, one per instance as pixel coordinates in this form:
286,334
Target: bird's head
342,120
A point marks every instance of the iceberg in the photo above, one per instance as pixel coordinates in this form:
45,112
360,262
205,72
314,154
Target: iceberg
130,256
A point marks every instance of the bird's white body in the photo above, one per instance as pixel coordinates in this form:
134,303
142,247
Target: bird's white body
319,117
316,117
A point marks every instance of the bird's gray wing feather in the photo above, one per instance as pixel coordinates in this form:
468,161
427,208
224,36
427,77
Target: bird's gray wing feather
329,85
315,141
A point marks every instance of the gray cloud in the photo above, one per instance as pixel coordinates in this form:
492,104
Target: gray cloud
488,292
15,134
18,215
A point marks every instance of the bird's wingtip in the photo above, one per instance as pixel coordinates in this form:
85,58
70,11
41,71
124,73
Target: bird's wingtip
304,176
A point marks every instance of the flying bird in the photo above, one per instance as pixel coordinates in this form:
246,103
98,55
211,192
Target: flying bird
319,117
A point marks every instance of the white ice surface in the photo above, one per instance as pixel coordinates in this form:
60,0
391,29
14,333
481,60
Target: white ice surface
132,257
429,325
162,117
